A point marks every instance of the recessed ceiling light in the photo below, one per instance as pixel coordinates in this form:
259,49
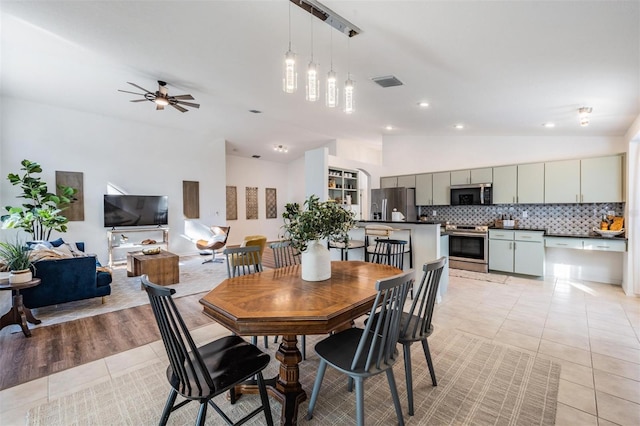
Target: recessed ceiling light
549,125
459,126
388,127
423,104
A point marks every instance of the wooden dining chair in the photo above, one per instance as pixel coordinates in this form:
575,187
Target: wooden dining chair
243,261
364,352
415,325
202,373
285,255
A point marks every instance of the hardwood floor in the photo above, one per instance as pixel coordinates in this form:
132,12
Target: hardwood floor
60,346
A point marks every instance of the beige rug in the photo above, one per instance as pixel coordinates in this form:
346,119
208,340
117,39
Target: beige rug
480,276
479,383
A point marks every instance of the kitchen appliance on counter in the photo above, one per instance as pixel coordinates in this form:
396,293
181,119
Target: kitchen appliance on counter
474,194
391,204
468,247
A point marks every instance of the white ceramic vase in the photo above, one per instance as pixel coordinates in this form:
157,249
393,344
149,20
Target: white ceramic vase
316,262
22,276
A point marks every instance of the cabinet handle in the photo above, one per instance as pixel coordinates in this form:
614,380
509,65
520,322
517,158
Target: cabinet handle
604,247
514,245
513,199
582,198
561,244
576,198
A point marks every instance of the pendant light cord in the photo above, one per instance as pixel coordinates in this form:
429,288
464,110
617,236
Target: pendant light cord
289,25
311,33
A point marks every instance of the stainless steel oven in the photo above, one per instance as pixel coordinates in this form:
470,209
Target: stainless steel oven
469,247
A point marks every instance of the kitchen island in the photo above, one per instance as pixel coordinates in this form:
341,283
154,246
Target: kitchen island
428,242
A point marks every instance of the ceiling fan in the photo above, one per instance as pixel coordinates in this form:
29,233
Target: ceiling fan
161,97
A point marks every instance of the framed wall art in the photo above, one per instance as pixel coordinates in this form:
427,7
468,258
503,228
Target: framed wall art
232,203
252,202
271,202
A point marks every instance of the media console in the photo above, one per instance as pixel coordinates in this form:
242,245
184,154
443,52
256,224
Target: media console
121,241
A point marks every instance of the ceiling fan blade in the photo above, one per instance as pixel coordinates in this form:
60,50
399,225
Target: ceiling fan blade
133,93
179,108
139,100
159,107
141,88
191,104
186,97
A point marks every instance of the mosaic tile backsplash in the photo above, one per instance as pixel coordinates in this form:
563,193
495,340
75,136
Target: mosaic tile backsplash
555,218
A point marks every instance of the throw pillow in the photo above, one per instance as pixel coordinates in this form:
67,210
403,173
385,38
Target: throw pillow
57,243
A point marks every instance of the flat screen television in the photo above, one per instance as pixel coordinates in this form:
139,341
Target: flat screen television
136,210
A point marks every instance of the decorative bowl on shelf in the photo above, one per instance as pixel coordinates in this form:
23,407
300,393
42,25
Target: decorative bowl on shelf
606,233
155,250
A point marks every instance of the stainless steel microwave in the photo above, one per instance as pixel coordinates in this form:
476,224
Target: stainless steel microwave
474,194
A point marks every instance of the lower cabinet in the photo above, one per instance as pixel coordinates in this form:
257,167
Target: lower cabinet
520,252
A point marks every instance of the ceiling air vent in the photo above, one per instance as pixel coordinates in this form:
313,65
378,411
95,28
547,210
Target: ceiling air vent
387,81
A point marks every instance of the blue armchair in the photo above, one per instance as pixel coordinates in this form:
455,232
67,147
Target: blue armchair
66,280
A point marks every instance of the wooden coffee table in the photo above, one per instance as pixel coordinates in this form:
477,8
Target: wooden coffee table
162,268
19,314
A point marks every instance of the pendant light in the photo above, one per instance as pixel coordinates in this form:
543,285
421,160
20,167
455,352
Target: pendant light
331,97
290,77
348,87
313,84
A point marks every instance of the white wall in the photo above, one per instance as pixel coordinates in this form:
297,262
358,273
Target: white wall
140,159
243,172
418,154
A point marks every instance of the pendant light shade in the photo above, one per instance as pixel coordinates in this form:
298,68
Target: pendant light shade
313,84
348,96
290,75
331,98
290,79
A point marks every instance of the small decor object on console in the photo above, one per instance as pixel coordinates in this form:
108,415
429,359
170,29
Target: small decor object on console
148,241
155,250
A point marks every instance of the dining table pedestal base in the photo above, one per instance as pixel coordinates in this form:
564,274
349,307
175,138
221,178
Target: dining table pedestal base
285,387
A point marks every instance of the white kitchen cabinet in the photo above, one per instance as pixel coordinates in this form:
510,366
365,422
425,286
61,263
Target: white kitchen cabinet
441,189
531,183
464,177
520,252
408,181
424,189
505,184
389,182
601,180
598,244
562,181
460,177
482,175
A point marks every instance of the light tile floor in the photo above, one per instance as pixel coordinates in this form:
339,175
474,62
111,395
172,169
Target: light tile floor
591,329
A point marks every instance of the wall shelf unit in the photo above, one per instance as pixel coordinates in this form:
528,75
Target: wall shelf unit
343,186
122,241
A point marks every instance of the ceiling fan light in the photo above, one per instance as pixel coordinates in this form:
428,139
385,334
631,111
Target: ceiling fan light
161,101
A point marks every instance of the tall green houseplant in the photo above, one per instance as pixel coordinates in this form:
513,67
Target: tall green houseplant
41,212
316,221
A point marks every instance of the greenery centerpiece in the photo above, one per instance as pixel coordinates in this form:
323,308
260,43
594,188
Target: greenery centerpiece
41,213
305,227
16,257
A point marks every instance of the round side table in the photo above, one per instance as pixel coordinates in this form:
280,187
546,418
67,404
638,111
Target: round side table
19,314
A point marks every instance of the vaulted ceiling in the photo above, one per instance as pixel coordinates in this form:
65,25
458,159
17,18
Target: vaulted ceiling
498,67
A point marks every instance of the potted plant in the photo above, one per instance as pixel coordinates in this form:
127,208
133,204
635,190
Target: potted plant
41,213
304,228
17,258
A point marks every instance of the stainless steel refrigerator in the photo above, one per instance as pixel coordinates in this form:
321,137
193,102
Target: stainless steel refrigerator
385,200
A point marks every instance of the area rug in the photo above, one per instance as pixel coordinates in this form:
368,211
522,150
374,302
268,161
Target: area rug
480,276
195,277
479,383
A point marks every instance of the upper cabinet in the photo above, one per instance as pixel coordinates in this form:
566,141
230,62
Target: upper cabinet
408,181
590,180
601,180
424,189
463,177
441,189
562,181
530,183
505,184
389,182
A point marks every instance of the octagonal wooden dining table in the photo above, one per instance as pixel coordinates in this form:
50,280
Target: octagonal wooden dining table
278,302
